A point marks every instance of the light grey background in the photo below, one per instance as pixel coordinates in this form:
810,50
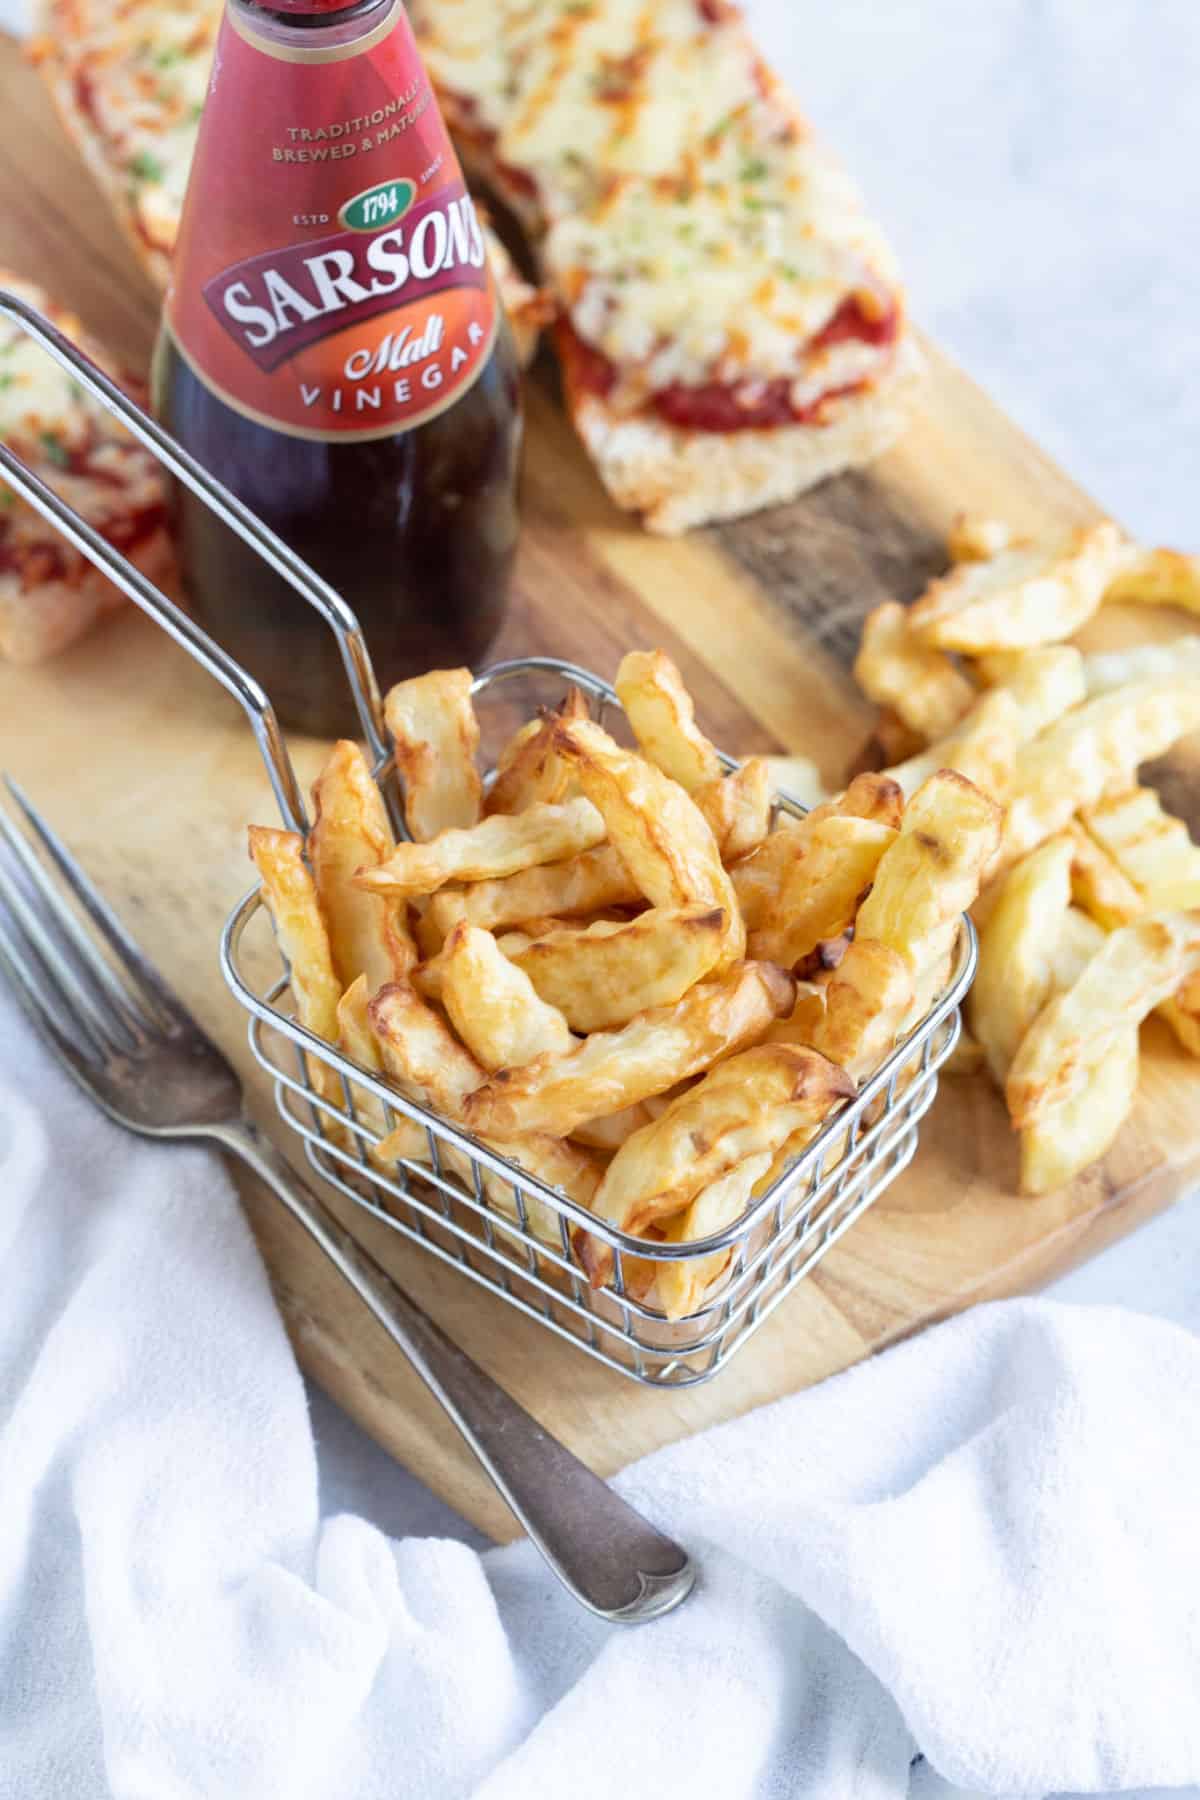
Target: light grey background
1038,165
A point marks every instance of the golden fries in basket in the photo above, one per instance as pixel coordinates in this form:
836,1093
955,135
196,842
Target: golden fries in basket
605,966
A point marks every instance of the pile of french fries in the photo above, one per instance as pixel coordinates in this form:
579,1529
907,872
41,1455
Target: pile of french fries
606,965
1090,916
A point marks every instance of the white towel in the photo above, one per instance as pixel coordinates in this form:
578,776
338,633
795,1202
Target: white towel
981,1547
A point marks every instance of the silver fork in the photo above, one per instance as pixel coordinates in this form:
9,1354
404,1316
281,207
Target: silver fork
133,1048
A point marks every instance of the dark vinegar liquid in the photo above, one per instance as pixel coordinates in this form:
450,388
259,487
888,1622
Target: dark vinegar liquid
417,533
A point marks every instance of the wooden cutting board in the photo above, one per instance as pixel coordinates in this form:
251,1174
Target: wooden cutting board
150,772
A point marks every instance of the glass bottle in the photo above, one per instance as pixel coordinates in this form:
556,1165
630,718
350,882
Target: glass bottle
334,350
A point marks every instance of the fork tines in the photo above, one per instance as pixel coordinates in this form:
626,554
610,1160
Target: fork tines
54,962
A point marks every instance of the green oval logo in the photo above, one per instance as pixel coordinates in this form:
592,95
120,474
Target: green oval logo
378,206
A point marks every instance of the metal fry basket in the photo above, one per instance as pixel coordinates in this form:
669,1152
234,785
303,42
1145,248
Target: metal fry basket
460,1201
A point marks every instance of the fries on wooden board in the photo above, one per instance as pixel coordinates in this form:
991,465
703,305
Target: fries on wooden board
605,965
1085,918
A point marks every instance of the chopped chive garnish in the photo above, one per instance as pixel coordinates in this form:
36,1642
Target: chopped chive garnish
54,450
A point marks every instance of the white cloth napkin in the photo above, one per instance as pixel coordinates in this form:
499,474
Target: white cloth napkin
981,1546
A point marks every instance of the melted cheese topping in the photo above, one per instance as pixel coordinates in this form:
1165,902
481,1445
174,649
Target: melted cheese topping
44,415
139,71
74,444
695,231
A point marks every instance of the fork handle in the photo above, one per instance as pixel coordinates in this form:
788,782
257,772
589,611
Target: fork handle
614,1562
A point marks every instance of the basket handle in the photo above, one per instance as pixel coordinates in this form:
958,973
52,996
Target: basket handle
324,599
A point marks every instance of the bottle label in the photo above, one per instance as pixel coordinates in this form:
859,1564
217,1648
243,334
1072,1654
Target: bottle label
330,278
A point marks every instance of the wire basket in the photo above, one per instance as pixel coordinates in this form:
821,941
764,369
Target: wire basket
460,1201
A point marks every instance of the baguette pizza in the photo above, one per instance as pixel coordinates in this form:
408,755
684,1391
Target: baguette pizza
732,326
129,83
49,592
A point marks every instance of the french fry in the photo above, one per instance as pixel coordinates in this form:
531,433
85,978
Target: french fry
582,884
806,1017
787,1155
748,1104
1095,750
655,827
737,808
599,976
1028,690
614,1069
357,1037
428,935
499,846
925,881
1098,884
973,538
984,749
931,874
527,769
1078,940
1015,976
428,1065
1026,595
1135,969
421,1054
518,938
870,796
1108,669
1083,938
663,717
1133,836
821,888
493,1005
302,936
1152,849
1067,1138
355,1032
432,719
1045,683
610,1133
681,1285
868,1000
367,935
657,1104
798,778
922,686
757,880
825,956
1158,578
892,741
564,1166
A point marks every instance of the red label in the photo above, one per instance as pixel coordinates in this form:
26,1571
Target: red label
330,277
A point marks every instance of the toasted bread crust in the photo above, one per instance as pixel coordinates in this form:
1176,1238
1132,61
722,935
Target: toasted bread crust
679,479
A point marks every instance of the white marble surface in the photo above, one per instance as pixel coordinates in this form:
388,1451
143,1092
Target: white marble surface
1036,162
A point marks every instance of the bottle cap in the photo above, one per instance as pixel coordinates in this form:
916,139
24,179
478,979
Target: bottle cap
305,6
